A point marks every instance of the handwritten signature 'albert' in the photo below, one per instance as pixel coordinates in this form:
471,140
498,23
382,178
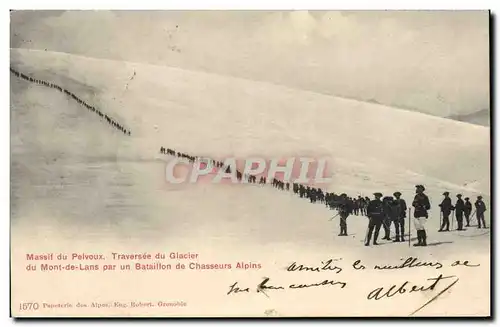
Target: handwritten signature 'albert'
407,288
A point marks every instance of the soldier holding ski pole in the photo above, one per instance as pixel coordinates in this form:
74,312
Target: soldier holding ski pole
446,208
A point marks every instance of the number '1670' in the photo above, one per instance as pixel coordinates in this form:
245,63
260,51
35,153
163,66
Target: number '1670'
28,306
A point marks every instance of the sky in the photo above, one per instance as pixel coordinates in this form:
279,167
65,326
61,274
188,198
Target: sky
436,62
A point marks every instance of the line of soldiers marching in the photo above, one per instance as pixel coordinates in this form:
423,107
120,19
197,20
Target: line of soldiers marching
381,212
108,118
313,194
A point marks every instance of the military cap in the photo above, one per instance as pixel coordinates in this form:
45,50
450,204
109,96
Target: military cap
479,196
459,195
343,194
397,193
377,194
466,198
446,193
420,186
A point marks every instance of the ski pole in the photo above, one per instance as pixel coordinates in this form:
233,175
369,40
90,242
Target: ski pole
472,216
368,229
440,219
452,220
409,227
334,216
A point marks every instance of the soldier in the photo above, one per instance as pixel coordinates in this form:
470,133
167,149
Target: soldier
312,195
359,204
375,213
344,211
480,209
367,201
459,212
446,208
355,207
422,205
467,211
321,195
399,206
362,203
388,215
302,190
351,205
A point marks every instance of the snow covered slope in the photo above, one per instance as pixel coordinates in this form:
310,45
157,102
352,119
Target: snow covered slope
239,117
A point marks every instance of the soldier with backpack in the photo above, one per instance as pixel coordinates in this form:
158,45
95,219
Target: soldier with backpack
344,212
467,211
459,212
399,206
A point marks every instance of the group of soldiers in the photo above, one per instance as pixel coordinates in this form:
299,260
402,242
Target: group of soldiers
108,119
392,210
381,213
171,152
462,209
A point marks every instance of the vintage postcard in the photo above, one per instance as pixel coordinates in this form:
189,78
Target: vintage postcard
250,163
